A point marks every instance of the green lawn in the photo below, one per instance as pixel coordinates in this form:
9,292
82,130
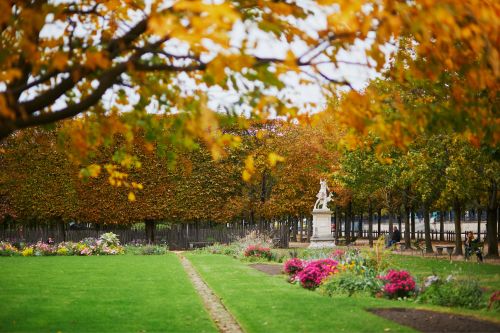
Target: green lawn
99,294
487,274
263,303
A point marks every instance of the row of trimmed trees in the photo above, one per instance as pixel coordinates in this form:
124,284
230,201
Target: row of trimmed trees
39,182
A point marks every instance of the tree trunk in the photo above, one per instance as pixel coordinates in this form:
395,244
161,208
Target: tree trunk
352,219
150,230
360,226
458,229
379,221
370,224
61,226
400,223
391,224
348,216
309,229
301,233
441,226
337,223
427,230
479,213
491,221
407,227
295,224
412,217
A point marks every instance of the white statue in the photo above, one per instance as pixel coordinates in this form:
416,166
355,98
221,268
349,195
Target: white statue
324,196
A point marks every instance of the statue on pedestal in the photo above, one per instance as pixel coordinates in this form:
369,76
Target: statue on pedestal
322,219
324,196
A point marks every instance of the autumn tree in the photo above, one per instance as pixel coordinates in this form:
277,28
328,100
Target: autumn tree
63,59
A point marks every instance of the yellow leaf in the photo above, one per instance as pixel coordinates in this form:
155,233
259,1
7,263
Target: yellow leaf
274,158
246,175
249,164
94,170
131,196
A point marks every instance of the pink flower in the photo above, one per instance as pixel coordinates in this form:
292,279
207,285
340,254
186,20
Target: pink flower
398,283
293,266
316,271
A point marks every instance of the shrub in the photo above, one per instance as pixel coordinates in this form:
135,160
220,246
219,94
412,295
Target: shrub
293,266
44,249
66,249
62,251
459,293
350,283
27,251
109,239
154,250
90,241
258,251
398,284
8,250
316,271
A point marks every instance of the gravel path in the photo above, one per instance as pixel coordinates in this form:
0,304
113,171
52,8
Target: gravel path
223,319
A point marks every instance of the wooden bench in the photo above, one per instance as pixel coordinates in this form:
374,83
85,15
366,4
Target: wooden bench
400,245
449,249
419,245
475,246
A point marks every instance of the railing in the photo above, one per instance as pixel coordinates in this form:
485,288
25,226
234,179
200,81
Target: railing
177,236
448,236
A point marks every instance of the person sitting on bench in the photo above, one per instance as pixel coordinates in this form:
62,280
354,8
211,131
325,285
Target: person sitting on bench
396,237
471,245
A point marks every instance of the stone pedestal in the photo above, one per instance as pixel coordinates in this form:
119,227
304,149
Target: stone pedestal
322,229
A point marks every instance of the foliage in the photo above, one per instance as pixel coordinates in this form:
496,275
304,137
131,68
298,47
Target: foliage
153,250
350,283
316,272
109,239
398,284
380,258
453,292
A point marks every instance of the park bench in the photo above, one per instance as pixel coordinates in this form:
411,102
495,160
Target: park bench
418,245
449,249
342,241
400,245
475,246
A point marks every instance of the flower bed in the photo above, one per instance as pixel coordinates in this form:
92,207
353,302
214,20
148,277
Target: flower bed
107,244
257,251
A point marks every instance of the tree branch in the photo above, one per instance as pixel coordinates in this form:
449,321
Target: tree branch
106,80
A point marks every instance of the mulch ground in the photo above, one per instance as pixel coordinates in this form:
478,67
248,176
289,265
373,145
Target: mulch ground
268,269
430,321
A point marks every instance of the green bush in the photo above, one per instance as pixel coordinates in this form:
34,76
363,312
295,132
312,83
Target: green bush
153,250
454,293
349,283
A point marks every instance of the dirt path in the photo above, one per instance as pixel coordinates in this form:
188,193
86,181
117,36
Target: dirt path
431,322
223,319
